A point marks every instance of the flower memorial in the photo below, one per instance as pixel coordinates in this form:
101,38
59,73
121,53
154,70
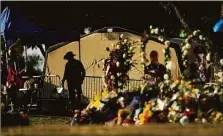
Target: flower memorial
117,65
192,98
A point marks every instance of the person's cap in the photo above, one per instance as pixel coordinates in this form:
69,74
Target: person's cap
69,54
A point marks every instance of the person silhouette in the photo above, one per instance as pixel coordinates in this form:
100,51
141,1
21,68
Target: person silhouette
155,69
74,74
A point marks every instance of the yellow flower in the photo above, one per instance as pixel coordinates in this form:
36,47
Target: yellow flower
104,92
195,90
176,82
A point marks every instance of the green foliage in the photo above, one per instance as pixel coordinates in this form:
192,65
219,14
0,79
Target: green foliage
33,63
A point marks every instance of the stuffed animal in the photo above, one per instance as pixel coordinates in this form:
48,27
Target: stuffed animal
145,115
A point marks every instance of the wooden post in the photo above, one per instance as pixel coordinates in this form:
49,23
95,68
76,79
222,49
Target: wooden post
79,42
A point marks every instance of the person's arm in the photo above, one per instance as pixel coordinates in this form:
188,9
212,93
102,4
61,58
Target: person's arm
83,72
65,74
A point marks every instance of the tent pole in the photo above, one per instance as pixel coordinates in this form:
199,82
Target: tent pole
79,42
6,55
25,49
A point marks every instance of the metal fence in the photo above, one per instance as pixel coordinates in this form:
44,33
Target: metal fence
93,85
48,85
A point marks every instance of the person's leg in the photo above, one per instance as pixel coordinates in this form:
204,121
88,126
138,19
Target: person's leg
72,98
78,97
122,112
79,92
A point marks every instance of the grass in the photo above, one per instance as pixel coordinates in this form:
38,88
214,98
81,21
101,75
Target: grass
55,125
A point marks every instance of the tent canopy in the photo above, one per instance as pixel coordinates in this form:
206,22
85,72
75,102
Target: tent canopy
218,27
14,26
93,49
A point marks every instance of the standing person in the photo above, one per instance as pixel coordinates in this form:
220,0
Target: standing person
74,74
156,72
200,70
155,69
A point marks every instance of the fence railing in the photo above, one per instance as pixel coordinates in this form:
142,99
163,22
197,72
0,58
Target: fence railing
93,84
48,85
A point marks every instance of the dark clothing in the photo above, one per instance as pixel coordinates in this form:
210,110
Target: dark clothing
159,70
202,76
4,74
74,74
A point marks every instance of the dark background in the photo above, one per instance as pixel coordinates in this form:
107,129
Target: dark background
132,15
137,16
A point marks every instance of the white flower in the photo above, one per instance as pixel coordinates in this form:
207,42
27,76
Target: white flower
131,48
185,52
166,76
161,104
142,53
174,97
119,84
117,64
167,43
125,41
195,33
124,56
221,61
162,40
182,82
203,120
121,36
112,77
142,45
201,68
164,51
118,74
170,65
143,59
220,74
103,61
186,40
201,37
184,120
167,81
184,63
208,57
183,48
188,46
152,31
156,31
151,27
221,80
113,45
118,47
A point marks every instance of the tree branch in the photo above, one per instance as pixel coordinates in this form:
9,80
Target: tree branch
170,6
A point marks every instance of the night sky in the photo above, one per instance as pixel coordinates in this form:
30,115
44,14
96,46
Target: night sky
67,15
